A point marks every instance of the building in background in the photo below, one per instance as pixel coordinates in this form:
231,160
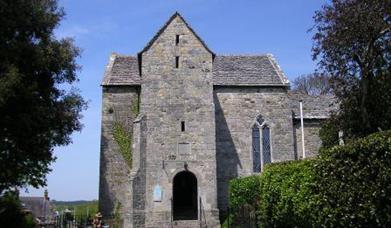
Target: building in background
41,209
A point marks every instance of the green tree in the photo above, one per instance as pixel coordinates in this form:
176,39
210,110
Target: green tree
37,112
352,42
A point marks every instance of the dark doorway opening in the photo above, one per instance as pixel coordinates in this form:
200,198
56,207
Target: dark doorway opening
185,196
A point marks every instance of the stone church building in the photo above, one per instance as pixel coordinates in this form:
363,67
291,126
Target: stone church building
179,122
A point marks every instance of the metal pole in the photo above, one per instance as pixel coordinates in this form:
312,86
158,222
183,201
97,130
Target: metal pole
302,128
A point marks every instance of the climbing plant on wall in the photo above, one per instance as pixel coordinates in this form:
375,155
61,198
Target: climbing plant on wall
136,106
124,141
117,215
123,136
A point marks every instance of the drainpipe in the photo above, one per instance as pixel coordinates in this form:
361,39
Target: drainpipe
302,128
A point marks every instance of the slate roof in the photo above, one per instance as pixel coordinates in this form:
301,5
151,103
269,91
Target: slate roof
314,107
238,70
39,206
233,70
122,70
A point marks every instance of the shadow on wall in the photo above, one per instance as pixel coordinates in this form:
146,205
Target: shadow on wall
227,158
106,200
139,183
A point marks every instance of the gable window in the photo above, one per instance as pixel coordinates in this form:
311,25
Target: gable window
176,61
176,40
261,144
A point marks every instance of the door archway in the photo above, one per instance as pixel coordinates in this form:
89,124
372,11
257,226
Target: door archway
184,193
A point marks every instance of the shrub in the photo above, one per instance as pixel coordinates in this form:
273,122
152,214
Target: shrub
244,198
346,186
287,198
355,183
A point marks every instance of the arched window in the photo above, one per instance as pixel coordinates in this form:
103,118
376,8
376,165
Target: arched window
266,145
261,144
256,150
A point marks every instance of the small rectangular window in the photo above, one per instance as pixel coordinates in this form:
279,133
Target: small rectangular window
177,40
177,62
182,126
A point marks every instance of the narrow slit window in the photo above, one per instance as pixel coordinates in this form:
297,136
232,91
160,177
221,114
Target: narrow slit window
176,61
183,126
177,40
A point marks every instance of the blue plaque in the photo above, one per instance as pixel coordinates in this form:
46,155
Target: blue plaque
157,194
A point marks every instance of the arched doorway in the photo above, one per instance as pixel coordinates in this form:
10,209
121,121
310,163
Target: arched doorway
185,196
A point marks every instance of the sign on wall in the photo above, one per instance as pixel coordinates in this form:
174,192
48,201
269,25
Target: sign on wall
157,194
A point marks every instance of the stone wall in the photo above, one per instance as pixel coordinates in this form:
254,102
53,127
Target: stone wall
236,111
170,95
117,103
312,142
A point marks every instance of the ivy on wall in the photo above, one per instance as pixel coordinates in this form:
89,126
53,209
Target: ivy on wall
136,106
117,215
124,141
123,137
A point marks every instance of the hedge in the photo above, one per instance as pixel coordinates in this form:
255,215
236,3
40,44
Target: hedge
355,183
287,196
346,186
281,196
243,199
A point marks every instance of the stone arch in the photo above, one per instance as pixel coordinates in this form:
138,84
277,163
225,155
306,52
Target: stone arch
185,196
171,174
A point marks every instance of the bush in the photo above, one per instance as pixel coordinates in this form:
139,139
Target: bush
244,191
281,196
244,198
287,197
355,183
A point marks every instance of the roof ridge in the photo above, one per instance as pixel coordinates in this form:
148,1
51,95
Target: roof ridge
244,55
160,31
122,55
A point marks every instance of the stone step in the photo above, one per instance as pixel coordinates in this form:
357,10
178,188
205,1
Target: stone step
187,224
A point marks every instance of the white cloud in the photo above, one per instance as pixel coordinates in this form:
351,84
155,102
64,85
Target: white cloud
79,31
74,31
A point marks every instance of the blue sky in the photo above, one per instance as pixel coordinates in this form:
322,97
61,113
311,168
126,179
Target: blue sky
100,27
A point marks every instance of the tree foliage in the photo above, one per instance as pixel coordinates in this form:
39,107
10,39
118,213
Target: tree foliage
36,114
314,84
352,42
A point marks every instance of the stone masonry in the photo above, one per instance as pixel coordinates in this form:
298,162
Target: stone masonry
190,114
